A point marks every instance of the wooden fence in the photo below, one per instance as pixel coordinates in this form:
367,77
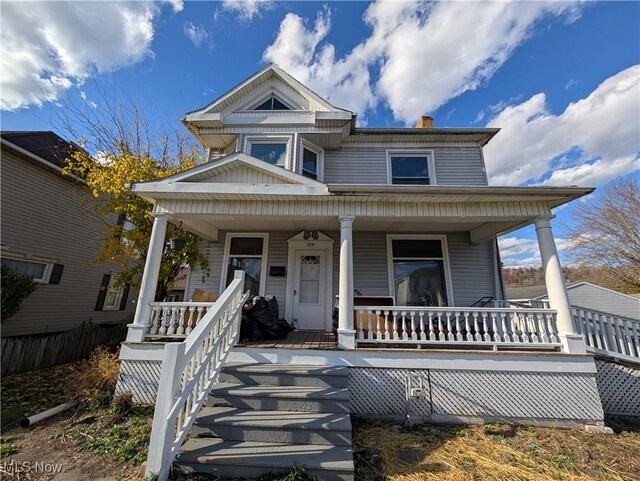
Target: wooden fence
20,354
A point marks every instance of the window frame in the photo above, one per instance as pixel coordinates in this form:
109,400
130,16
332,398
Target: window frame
271,139
431,164
118,298
251,107
445,260
264,257
319,151
34,260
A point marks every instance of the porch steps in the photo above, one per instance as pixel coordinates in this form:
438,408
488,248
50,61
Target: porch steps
268,418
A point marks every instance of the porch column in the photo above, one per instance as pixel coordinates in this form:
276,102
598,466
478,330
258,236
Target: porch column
346,332
149,283
556,290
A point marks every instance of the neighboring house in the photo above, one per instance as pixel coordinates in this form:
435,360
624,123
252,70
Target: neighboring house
396,227
585,295
50,231
176,294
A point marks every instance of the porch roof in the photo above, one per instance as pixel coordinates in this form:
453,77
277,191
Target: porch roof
553,196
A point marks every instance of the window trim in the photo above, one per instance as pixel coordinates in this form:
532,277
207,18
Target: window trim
431,164
319,151
249,140
264,257
445,260
35,260
118,299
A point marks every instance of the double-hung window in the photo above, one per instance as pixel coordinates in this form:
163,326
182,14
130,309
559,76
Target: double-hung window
272,150
247,252
39,271
311,160
113,298
410,167
418,269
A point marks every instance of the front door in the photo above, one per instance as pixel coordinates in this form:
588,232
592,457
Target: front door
309,295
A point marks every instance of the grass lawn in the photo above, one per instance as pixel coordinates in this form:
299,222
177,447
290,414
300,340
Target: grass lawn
102,441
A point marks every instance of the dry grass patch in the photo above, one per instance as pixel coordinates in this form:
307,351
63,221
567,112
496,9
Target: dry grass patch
495,453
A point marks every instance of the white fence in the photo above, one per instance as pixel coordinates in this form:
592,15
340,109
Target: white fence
608,334
451,325
176,318
189,370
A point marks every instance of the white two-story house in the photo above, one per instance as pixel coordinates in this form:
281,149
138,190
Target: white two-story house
395,228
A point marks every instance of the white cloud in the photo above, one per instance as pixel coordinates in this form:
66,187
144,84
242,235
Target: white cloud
47,47
90,103
524,252
246,9
593,141
196,33
427,53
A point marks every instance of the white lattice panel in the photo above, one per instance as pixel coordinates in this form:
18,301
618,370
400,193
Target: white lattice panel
141,379
383,391
619,388
526,395
535,396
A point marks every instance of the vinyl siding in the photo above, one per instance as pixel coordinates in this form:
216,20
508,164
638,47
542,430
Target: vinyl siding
368,165
472,266
45,215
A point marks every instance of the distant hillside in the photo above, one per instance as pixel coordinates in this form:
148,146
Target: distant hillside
534,276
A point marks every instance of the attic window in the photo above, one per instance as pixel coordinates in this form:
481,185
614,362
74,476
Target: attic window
272,103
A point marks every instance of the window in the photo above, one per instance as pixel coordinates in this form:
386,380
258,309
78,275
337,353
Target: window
410,168
418,270
272,150
113,298
110,296
246,252
272,103
38,270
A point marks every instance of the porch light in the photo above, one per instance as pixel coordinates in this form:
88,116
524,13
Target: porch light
176,244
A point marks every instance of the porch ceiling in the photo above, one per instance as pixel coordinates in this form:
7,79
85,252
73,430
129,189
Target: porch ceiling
207,226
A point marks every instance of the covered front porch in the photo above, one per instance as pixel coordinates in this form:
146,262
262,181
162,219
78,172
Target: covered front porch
419,268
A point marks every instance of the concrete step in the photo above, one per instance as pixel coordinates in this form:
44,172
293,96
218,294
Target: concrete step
243,459
235,424
285,375
280,398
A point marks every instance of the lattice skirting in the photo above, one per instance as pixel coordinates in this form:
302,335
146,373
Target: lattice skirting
534,396
619,388
139,378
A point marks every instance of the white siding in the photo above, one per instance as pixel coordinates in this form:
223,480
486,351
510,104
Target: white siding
368,165
45,215
472,266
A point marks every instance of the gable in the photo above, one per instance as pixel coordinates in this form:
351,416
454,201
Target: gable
239,168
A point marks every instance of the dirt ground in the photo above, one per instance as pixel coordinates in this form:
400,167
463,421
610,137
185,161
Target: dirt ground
48,444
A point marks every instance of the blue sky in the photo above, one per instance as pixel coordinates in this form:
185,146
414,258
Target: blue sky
560,78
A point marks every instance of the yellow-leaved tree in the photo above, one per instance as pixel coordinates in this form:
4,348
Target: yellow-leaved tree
125,150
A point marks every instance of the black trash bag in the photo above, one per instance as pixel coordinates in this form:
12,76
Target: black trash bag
261,321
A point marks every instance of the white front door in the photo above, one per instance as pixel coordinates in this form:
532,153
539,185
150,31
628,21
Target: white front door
309,295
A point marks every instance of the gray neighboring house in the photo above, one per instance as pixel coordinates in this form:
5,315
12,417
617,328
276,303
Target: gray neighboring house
50,231
586,295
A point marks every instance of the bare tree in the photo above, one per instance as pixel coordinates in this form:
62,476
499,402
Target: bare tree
606,232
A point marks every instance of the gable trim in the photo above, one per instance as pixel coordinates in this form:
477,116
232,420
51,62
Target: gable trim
242,158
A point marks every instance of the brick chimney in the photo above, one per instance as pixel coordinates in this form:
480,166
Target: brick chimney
425,122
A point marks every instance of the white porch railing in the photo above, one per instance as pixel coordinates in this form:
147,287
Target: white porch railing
462,326
189,370
609,335
176,318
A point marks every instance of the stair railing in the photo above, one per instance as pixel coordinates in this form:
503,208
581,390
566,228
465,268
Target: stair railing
189,370
609,335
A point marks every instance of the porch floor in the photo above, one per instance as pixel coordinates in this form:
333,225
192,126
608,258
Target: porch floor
319,340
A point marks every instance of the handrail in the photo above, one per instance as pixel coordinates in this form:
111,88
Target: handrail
456,325
608,334
176,319
189,370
